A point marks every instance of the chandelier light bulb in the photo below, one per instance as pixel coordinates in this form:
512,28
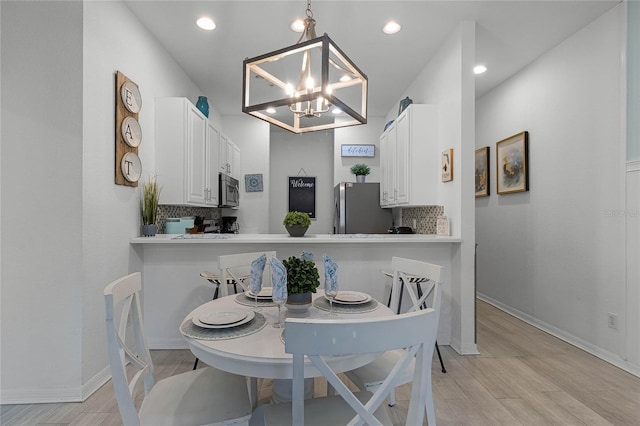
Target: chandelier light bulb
297,25
271,110
479,69
310,83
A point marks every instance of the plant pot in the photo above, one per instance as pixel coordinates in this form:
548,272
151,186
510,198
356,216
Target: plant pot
299,302
297,231
149,230
360,178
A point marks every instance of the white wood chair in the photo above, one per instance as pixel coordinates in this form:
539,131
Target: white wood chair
236,266
371,376
318,339
199,397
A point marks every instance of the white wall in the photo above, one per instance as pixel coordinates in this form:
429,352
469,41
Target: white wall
447,81
289,153
60,106
252,137
366,134
41,200
556,255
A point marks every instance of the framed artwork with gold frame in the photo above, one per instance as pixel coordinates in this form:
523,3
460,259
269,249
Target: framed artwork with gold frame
512,164
483,181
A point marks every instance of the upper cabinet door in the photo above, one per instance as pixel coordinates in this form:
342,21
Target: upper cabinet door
223,163
403,164
213,142
196,156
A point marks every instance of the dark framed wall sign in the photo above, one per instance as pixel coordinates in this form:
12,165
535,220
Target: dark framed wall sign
302,194
512,164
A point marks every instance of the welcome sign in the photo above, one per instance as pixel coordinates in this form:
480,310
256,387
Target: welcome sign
302,194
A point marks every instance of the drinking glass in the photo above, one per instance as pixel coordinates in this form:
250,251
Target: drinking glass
330,291
279,298
255,286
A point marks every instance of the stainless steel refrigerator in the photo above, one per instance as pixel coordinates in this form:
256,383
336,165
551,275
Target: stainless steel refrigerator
357,209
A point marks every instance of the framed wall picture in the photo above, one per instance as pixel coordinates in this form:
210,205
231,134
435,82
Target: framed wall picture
447,165
512,164
358,151
482,172
253,183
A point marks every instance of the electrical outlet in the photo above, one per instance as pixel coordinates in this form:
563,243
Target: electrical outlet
612,320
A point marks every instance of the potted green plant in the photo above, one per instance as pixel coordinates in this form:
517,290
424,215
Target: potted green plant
302,280
296,223
149,206
360,170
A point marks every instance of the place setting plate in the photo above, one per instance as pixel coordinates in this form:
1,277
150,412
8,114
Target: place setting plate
265,294
227,319
351,298
250,322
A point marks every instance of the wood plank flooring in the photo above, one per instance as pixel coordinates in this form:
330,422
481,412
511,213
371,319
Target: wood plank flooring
522,377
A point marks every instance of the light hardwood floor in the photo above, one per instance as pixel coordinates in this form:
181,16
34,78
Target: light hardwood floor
522,377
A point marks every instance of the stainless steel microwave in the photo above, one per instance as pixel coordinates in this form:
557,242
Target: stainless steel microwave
229,191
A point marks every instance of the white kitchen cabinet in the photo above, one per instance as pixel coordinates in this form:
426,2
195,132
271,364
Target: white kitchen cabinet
186,154
410,159
387,166
229,155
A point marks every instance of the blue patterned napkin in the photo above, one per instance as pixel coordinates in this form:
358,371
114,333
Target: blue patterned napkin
305,255
330,274
257,269
279,280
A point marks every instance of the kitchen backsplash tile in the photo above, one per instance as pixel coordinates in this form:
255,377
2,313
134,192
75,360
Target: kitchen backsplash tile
165,211
426,218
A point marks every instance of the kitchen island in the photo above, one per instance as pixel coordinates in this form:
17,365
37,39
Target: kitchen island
171,266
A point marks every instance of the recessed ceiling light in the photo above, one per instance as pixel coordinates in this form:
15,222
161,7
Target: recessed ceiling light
206,23
271,110
297,25
337,111
391,27
479,69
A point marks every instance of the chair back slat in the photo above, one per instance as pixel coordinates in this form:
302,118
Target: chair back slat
403,271
124,295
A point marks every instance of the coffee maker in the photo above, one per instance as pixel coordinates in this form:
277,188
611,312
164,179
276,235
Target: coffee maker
229,225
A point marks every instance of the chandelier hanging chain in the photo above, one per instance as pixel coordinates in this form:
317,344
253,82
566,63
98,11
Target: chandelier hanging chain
308,11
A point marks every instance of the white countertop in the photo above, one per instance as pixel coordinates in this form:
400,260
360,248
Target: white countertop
286,239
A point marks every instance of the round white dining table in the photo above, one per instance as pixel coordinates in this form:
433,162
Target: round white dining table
262,354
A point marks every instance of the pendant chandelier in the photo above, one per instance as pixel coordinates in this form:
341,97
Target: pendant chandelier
309,86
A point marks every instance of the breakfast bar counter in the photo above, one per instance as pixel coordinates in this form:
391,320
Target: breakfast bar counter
171,266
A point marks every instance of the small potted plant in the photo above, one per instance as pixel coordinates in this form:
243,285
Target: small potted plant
360,170
302,280
149,206
296,223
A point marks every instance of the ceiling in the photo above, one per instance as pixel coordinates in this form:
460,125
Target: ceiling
509,36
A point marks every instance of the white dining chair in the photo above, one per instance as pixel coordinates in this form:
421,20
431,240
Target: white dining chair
199,397
319,339
236,266
371,376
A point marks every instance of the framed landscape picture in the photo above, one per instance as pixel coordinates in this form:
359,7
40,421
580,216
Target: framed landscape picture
512,164
482,172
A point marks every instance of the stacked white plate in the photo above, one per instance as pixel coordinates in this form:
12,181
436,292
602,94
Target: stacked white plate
223,319
265,294
351,298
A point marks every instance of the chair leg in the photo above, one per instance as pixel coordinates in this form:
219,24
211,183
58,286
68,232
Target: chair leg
195,364
444,370
391,398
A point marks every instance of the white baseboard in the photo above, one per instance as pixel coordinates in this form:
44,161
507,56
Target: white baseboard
603,354
96,382
41,396
47,396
